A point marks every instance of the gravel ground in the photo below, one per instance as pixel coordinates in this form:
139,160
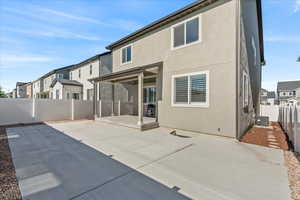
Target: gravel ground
9,189
292,161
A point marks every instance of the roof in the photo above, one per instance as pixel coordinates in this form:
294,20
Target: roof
263,90
91,59
20,83
181,13
65,82
126,72
288,85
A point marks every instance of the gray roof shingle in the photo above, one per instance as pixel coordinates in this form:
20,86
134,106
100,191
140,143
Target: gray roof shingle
65,82
288,85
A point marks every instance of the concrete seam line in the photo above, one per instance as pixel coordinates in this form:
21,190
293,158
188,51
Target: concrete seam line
131,171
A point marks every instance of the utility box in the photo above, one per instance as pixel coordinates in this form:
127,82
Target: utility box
262,121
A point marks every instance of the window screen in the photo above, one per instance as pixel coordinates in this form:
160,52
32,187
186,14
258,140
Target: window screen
192,31
198,88
181,89
126,54
179,35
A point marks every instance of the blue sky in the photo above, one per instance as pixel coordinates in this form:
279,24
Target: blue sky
38,36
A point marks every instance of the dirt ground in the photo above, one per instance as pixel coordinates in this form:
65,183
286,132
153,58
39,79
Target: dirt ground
9,189
273,137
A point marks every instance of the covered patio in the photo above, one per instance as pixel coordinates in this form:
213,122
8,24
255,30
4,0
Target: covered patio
129,97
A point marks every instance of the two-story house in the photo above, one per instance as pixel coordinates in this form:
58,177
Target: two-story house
37,88
267,98
21,90
202,65
93,67
287,90
60,73
28,90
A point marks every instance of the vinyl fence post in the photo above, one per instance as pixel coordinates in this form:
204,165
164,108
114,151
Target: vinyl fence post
72,109
112,109
33,108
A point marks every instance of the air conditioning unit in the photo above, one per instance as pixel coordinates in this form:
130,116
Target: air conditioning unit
262,121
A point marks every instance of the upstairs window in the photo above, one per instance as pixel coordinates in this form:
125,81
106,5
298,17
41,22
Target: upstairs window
70,75
91,69
126,54
186,33
191,89
79,73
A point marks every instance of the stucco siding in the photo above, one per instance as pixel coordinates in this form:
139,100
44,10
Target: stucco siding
215,53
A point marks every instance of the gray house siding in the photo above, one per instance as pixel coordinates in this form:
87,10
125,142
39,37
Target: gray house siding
250,63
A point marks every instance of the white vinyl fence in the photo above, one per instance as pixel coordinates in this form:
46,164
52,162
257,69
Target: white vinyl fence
15,111
271,111
289,117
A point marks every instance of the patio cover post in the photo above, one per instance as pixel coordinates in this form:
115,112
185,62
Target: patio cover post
95,99
140,98
113,99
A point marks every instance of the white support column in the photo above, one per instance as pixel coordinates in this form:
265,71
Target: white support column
72,109
119,108
95,97
100,108
112,108
140,98
113,100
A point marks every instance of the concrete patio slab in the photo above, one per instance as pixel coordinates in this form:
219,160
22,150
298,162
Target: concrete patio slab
94,160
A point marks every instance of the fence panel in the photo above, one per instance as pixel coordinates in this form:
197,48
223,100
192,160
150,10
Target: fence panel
272,111
50,110
14,111
83,109
289,117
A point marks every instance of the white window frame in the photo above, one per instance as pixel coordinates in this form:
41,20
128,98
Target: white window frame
245,90
121,60
184,22
189,103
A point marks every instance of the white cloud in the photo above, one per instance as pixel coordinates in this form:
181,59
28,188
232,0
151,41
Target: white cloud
127,25
295,39
53,32
23,58
71,16
297,6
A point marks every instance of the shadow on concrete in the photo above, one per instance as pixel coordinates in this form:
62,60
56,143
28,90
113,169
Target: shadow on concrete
51,165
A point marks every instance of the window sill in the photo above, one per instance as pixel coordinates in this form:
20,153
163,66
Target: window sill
186,45
126,63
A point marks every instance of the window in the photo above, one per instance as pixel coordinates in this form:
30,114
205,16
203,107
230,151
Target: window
186,33
70,75
75,96
79,73
91,69
68,95
126,54
245,90
60,76
191,89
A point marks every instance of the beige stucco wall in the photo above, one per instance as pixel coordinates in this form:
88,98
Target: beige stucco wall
29,90
216,53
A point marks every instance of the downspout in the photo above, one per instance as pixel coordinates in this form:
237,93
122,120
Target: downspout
238,40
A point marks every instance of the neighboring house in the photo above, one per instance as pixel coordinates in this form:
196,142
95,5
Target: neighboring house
202,64
267,98
28,90
60,73
91,68
37,88
66,89
21,90
287,90
14,94
9,95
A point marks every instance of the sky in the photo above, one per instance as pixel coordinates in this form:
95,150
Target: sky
38,36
